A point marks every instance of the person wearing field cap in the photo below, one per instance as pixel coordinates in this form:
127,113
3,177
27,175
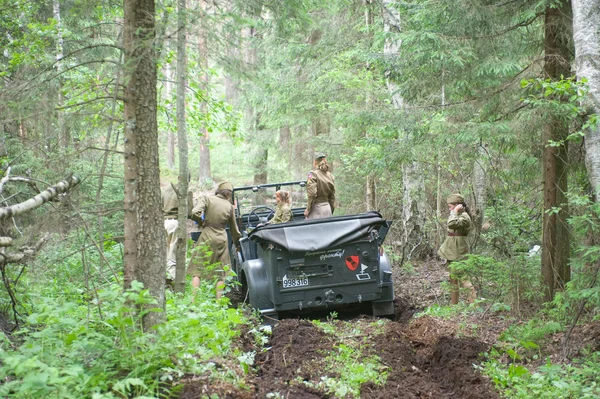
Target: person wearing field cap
320,189
218,214
455,247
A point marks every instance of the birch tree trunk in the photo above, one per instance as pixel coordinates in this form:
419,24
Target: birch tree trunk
586,35
413,213
62,131
40,199
169,95
145,240
182,209
204,175
370,181
479,184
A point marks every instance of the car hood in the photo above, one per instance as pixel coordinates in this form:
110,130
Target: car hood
320,234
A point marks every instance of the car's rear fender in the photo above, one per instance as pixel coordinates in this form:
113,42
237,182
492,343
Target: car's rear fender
385,278
255,275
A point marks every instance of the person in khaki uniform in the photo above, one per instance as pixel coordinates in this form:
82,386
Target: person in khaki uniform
455,246
320,190
283,213
170,211
218,214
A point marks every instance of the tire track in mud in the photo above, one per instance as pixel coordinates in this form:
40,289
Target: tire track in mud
423,360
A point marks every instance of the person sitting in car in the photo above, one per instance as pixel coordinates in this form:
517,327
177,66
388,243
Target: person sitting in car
283,213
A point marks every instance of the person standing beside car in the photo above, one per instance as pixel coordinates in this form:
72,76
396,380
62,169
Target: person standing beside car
455,247
320,190
170,214
283,213
218,214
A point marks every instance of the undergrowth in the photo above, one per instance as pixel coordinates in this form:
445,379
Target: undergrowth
98,349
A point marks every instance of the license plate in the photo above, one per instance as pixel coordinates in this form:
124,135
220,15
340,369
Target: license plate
294,282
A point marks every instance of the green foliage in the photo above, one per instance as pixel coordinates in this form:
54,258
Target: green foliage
562,99
445,312
99,349
354,369
514,280
579,379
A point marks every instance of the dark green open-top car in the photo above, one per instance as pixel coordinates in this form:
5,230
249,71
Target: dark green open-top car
309,265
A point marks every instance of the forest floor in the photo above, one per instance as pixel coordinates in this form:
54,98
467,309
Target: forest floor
424,357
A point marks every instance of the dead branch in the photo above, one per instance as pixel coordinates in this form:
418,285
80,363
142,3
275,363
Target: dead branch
40,199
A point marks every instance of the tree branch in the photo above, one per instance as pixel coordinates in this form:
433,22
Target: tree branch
39,199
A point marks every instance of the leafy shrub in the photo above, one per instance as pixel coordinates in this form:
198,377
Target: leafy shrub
513,280
99,349
552,381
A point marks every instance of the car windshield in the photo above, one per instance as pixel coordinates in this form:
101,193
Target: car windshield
250,197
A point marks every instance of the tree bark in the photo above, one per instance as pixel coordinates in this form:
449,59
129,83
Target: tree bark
555,253
586,36
204,176
40,199
181,249
60,119
371,191
479,184
169,95
145,251
413,214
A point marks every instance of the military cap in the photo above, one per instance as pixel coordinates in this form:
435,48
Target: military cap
455,199
225,186
319,156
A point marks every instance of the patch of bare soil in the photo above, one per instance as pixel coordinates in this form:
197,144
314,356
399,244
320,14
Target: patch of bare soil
421,285
296,348
424,357
195,387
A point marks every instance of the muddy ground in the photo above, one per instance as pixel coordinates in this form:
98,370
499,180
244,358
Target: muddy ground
424,357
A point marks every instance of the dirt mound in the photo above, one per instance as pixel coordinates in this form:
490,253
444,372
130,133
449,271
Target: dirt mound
420,359
444,371
404,310
451,366
425,331
296,348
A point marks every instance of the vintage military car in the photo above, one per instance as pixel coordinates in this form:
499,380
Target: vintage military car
309,265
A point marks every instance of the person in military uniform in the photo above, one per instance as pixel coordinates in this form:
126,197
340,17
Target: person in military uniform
320,190
218,214
455,246
170,210
283,213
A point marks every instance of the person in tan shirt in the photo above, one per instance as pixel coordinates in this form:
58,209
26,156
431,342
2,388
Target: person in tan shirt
170,211
218,214
456,246
283,213
320,190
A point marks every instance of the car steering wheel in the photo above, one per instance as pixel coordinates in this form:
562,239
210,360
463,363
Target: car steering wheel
260,220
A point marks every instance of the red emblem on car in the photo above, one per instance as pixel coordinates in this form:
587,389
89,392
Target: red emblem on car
352,262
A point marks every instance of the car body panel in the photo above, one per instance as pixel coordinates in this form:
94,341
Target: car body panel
318,264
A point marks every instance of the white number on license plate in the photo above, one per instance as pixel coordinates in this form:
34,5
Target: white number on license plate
294,282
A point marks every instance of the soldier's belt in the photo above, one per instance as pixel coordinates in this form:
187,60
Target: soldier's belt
214,225
456,235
